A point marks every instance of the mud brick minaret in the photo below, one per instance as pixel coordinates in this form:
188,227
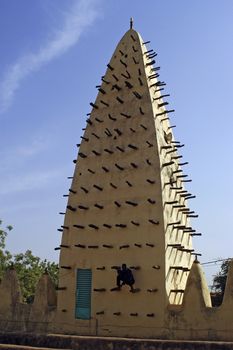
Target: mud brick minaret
127,204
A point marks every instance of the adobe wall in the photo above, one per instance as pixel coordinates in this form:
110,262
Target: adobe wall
99,343
195,319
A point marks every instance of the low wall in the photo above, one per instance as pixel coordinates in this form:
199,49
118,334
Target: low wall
98,343
195,319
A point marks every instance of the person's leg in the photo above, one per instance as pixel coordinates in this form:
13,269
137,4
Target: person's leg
131,286
118,282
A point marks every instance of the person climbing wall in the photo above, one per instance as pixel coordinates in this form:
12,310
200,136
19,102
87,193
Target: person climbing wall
125,276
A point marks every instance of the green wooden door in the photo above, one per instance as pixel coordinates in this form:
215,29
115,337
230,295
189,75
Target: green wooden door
83,294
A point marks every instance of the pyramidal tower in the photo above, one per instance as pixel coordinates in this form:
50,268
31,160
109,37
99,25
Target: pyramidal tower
127,204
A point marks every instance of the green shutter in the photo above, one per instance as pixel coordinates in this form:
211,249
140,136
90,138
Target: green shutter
83,294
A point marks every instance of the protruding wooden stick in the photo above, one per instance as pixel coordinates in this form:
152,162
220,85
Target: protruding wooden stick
135,268
124,246
96,153
151,201
128,84
140,81
143,126
162,104
93,226
150,63
119,100
101,268
80,246
112,185
94,105
102,91
98,187
107,225
135,223
165,112
79,226
123,63
65,267
134,204
136,94
115,77
156,267
161,96
167,164
99,289
119,167
115,86
150,181
149,144
91,171
126,115
82,155
108,132
107,246
105,81
108,151
71,208
150,245
132,146
105,169
154,222
95,135
99,120
118,131
98,206
134,165
112,118
110,67
141,111
83,207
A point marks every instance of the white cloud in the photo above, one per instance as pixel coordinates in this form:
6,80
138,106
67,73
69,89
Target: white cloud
21,154
80,16
32,181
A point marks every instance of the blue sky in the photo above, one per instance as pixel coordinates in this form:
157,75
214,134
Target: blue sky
53,54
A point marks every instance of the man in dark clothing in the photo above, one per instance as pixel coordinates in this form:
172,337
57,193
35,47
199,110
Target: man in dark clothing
125,276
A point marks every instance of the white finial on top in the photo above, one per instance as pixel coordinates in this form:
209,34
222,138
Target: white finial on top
131,23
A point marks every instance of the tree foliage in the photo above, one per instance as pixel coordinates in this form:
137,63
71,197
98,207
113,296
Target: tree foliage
219,283
28,266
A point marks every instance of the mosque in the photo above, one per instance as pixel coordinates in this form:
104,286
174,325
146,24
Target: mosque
127,263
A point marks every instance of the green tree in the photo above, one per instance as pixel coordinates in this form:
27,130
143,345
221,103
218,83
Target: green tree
29,269
28,266
5,255
219,283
